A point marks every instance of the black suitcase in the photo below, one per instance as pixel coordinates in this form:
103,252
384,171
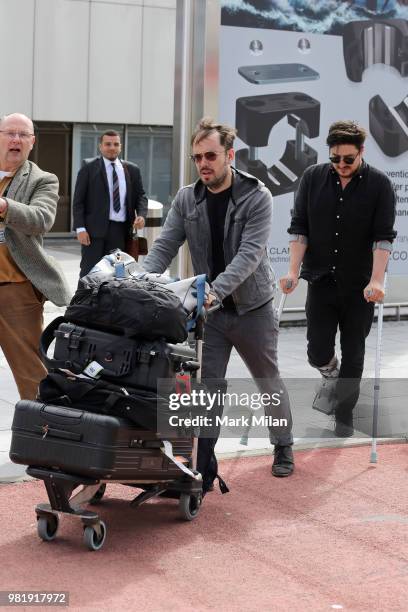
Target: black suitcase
124,361
93,445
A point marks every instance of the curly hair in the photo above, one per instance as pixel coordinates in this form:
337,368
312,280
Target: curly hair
346,132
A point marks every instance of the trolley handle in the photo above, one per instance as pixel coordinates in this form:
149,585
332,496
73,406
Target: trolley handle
215,305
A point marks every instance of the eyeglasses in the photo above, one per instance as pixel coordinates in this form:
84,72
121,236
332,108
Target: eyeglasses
208,156
21,135
348,159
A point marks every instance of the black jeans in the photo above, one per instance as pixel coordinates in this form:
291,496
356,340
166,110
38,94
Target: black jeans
255,337
327,310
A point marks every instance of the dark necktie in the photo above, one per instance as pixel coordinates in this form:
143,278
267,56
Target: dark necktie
115,190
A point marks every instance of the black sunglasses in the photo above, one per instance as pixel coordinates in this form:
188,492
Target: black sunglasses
348,159
208,156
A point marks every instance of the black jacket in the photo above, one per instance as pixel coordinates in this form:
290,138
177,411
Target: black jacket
91,197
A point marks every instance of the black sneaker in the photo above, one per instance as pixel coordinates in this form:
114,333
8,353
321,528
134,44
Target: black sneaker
343,423
283,464
343,430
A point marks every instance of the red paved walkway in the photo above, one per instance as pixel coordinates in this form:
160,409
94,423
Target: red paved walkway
333,536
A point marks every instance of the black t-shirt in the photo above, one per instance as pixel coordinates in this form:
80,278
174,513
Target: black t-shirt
217,204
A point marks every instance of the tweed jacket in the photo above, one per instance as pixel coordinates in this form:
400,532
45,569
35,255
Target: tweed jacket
32,199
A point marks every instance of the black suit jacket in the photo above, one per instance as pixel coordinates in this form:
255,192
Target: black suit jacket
91,197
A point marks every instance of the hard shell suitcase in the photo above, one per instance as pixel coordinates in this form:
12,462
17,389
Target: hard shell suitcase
124,361
92,445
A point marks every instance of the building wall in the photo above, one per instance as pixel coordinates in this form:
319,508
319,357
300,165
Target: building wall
105,61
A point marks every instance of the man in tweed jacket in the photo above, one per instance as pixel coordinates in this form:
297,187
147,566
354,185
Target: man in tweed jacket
28,276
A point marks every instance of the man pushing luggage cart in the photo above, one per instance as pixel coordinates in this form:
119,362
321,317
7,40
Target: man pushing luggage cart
226,219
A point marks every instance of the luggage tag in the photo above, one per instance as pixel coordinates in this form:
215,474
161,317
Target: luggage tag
93,369
183,383
167,449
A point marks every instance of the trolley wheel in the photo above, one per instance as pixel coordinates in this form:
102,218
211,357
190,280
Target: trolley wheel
93,540
47,527
189,506
98,495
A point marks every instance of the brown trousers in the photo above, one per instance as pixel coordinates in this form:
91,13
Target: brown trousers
21,322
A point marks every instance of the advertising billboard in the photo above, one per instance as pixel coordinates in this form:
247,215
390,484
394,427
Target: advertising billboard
290,68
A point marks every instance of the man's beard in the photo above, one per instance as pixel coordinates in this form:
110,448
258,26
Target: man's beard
354,172
218,181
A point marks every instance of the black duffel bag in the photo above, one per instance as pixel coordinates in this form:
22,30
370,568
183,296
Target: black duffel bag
128,306
143,408
124,361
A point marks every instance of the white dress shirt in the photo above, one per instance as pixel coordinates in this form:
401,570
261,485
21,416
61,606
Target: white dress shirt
121,215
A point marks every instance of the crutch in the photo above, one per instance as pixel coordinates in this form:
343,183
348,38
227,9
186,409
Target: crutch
373,456
244,437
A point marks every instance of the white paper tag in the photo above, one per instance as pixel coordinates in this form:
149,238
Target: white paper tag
167,449
93,369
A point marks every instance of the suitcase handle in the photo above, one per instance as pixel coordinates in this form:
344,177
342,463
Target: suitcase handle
63,411
46,431
45,341
47,337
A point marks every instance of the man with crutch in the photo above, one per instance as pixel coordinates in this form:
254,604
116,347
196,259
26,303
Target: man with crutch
341,231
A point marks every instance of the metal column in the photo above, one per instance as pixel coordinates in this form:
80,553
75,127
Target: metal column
195,88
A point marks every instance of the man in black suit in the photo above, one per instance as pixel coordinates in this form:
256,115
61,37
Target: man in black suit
109,200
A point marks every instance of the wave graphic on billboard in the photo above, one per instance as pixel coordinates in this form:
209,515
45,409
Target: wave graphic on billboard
316,16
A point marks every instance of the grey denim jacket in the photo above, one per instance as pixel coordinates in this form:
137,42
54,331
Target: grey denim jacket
248,275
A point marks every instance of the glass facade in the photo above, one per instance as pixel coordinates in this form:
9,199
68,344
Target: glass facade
52,152
151,150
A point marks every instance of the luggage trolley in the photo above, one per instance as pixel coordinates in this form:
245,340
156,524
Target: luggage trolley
69,448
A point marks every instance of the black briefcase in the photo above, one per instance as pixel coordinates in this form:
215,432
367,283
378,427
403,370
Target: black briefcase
124,361
95,445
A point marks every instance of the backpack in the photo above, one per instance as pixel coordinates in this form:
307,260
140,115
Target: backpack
128,306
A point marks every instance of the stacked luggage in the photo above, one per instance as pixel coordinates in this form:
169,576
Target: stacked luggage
100,409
